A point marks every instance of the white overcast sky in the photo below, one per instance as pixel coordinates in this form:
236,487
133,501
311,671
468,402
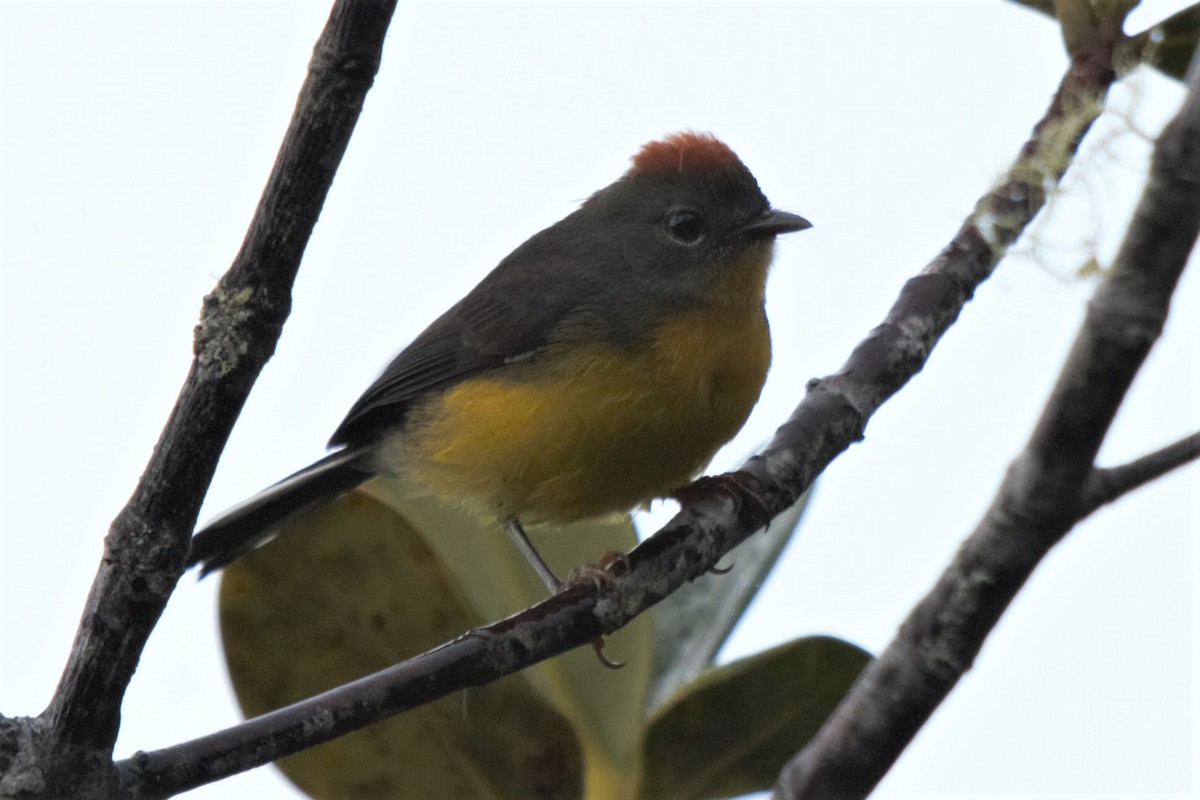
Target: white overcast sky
136,139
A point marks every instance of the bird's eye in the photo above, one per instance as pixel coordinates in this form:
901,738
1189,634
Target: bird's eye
685,226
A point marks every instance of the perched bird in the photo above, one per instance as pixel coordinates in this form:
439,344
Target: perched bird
598,366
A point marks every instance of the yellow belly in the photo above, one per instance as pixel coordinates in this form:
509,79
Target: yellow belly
598,431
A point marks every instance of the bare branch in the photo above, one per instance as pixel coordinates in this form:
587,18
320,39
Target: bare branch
1106,485
554,626
147,543
718,513
1040,499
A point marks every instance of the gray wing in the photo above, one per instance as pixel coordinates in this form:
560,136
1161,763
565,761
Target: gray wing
513,313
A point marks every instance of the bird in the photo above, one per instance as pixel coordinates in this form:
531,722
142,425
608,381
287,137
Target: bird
597,367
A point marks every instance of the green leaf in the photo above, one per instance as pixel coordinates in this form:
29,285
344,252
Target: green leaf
730,731
693,623
350,589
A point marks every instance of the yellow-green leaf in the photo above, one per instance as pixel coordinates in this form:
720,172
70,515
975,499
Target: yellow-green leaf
730,731
347,590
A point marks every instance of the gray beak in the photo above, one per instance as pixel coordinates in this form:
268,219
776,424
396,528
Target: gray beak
775,222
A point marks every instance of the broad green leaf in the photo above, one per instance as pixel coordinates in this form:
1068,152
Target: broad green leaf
693,623
347,590
604,706
730,731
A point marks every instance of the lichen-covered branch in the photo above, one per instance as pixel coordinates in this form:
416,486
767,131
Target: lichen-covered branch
1048,489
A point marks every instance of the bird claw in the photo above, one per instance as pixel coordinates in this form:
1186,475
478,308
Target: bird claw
598,649
599,576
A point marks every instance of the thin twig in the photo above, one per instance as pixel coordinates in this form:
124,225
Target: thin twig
1106,485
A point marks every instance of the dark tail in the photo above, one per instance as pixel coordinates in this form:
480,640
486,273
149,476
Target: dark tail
249,524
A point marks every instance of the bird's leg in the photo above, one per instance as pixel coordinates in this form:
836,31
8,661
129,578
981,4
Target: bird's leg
512,526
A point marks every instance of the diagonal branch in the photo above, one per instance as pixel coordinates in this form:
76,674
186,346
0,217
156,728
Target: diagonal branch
717,515
1042,497
242,318
835,411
